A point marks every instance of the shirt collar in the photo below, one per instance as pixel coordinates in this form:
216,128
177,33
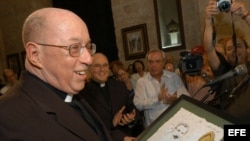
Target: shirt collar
60,93
99,84
68,98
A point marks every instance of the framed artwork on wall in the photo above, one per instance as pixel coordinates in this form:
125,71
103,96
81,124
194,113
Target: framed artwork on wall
13,62
135,41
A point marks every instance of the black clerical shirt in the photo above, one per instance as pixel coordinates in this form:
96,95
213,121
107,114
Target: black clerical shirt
80,109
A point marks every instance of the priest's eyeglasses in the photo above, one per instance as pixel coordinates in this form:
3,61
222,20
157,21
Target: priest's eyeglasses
75,49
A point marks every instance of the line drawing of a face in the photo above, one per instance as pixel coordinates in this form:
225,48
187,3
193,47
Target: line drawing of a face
180,130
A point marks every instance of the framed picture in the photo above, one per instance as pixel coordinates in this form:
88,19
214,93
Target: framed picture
13,62
135,41
188,120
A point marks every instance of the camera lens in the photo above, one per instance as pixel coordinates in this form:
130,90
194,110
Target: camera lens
191,65
224,6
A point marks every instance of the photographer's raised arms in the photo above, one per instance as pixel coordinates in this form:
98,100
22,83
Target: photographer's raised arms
235,53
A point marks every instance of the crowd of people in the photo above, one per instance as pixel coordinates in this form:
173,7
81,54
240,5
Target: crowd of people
69,92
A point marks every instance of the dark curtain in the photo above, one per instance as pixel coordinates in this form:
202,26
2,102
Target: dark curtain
98,16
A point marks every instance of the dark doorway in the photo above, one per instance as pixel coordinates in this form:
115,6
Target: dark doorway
98,16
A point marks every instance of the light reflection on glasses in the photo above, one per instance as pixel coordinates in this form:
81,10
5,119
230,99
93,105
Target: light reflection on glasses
99,66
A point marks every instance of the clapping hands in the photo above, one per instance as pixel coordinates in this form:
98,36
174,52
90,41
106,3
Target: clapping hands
165,96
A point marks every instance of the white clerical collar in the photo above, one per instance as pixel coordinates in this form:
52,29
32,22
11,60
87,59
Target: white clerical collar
102,85
68,98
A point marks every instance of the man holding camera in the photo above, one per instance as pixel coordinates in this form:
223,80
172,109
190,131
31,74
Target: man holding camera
235,49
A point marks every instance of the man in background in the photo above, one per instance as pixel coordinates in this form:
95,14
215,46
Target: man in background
110,99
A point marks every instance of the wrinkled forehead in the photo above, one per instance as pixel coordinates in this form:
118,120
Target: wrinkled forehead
99,59
54,25
155,56
121,71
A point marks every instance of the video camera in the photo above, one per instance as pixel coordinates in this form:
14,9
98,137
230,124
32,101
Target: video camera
190,63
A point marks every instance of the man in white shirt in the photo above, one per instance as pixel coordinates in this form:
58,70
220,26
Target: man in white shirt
158,89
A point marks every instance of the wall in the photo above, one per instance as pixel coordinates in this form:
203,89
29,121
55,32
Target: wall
2,54
13,14
127,13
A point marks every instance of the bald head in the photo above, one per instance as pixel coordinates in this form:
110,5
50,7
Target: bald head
46,22
48,37
100,55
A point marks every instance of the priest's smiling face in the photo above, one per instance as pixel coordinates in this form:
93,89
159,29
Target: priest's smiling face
99,69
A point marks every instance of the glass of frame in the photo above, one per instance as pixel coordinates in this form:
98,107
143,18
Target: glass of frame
169,24
135,41
193,118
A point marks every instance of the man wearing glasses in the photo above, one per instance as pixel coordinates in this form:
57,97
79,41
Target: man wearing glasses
44,106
